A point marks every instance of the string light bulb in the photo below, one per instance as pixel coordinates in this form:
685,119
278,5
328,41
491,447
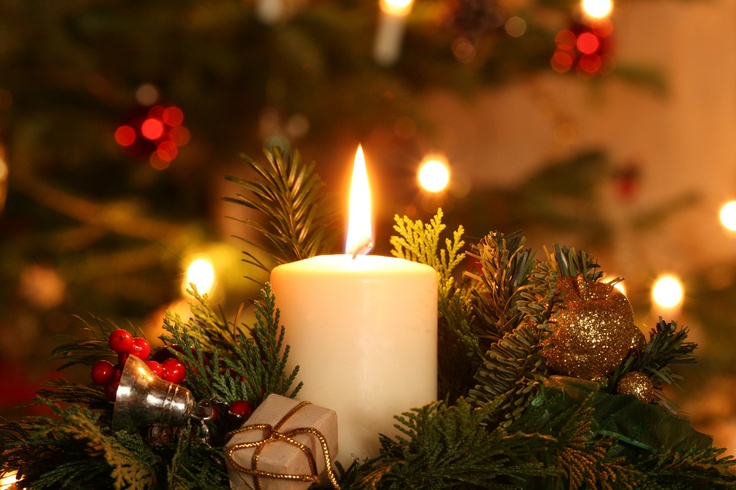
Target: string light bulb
201,273
597,9
728,215
434,173
668,291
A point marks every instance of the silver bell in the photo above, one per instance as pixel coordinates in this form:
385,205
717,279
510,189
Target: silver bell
144,399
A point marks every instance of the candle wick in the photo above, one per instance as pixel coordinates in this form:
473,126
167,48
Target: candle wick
363,249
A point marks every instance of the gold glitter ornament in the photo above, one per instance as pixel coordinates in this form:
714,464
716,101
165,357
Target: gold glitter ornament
594,329
637,384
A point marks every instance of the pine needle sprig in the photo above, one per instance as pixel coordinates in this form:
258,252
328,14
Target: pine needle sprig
572,263
505,266
91,344
447,447
667,346
299,223
513,367
65,391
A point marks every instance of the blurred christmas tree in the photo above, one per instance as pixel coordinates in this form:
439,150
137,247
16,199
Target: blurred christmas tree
120,120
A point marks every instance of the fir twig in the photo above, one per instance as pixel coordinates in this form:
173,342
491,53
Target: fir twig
92,343
667,346
299,223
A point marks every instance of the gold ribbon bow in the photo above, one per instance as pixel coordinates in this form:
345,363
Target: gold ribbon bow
272,434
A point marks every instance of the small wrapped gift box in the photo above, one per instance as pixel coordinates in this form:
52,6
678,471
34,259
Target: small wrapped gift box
286,444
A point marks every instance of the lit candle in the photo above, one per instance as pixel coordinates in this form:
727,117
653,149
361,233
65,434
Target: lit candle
387,46
363,330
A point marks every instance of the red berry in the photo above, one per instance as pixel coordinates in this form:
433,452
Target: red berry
141,348
241,408
111,390
121,341
102,371
175,371
156,368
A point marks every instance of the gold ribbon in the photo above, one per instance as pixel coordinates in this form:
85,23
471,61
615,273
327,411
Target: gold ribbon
272,434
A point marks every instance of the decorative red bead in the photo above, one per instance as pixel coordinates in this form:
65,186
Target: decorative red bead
175,371
241,408
121,341
102,371
141,348
156,368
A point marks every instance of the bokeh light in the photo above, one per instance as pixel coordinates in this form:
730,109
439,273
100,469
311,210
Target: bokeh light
597,9
396,7
125,135
201,273
728,215
668,291
434,173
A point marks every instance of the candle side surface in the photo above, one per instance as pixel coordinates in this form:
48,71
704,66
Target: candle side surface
364,334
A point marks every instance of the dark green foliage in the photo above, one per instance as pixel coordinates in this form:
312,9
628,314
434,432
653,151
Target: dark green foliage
94,345
298,221
505,266
518,426
226,363
667,346
447,447
76,448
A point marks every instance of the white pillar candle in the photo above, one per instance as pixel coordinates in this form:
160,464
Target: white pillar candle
390,31
363,330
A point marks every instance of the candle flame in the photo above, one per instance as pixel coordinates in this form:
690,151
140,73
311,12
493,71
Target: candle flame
360,229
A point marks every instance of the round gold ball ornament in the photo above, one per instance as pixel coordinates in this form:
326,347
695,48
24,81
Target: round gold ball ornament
637,384
594,329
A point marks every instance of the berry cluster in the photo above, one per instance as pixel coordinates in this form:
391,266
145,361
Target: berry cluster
104,373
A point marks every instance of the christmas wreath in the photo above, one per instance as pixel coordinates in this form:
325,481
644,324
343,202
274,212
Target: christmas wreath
544,379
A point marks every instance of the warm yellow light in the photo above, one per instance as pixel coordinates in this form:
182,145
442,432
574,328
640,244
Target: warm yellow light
360,228
396,7
728,215
597,9
8,480
434,173
619,285
667,291
201,273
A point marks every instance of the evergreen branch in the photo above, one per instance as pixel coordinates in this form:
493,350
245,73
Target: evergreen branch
73,451
285,192
447,447
667,346
64,391
510,374
196,466
572,263
225,363
505,268
692,469
93,345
